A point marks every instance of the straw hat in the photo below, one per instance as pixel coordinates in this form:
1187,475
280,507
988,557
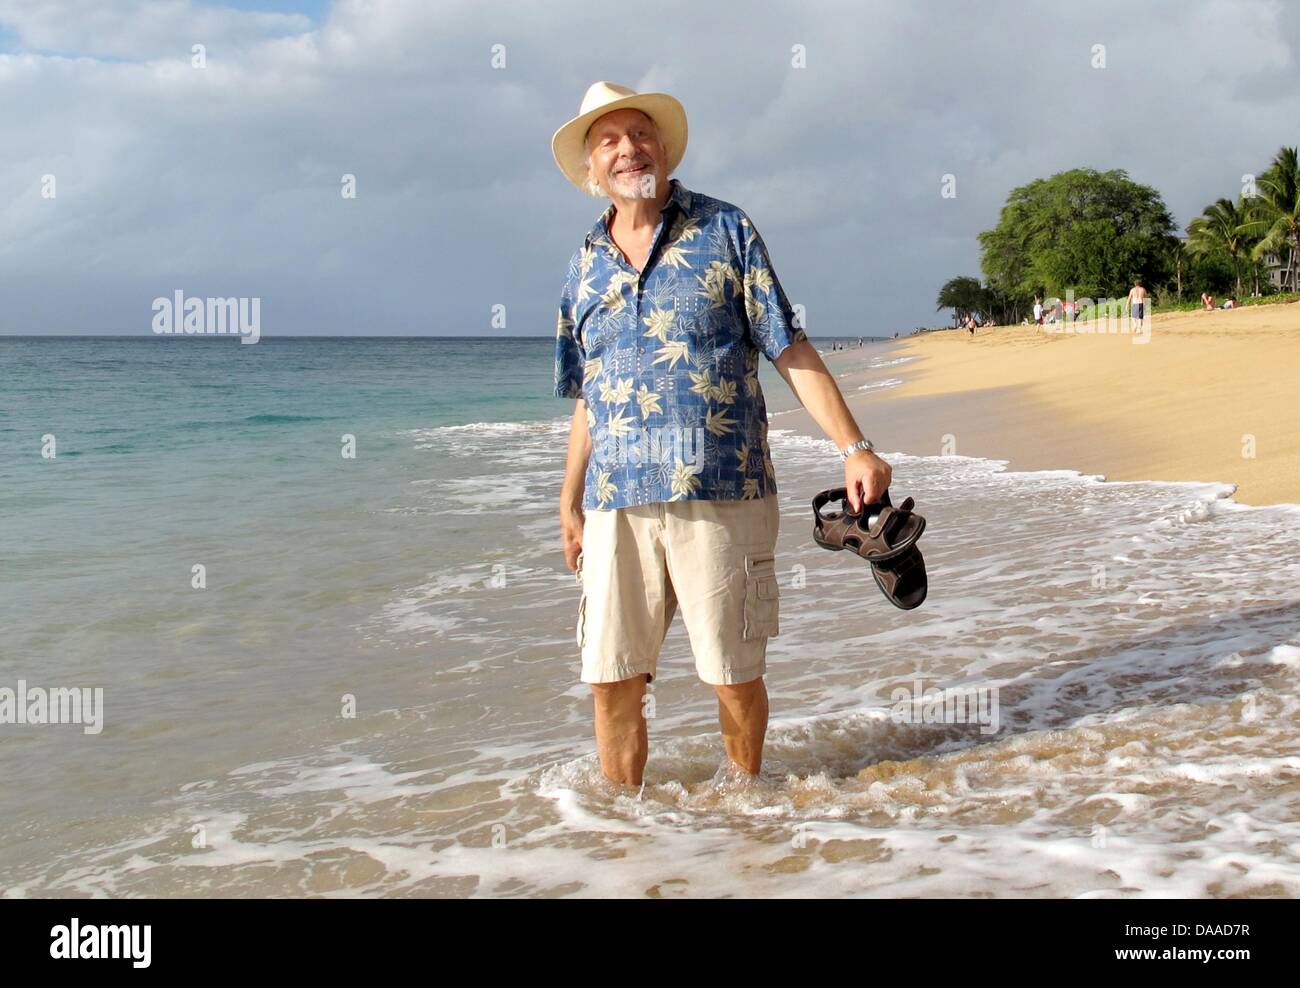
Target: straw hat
569,143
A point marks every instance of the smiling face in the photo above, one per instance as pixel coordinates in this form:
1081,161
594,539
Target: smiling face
626,159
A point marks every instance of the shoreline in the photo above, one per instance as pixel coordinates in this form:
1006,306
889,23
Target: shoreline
1184,407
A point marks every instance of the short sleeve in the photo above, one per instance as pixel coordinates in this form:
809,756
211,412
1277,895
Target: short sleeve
773,325
569,355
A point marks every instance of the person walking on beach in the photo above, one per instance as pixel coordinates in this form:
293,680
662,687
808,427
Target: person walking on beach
669,496
1038,310
1137,298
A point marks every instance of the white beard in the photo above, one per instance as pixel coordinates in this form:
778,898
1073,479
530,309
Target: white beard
641,186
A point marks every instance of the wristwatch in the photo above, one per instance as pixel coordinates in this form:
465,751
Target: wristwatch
852,448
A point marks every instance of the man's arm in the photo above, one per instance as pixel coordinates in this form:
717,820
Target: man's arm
570,369
814,385
575,472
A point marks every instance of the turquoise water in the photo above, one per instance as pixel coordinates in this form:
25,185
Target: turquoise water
119,392
172,453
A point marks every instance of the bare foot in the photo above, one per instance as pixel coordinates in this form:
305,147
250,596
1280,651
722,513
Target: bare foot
731,776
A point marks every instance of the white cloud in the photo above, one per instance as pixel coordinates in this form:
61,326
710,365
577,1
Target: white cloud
136,29
225,180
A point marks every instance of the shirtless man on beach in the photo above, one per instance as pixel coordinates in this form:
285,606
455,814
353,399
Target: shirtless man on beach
1137,301
668,305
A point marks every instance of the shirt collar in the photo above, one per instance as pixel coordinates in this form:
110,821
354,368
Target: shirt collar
680,195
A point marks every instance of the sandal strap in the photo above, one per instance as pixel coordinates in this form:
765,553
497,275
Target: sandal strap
820,501
888,517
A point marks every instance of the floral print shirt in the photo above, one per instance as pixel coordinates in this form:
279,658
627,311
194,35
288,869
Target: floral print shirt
667,358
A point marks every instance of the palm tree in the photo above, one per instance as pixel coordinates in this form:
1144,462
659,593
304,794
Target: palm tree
963,295
1274,215
1219,229
1176,255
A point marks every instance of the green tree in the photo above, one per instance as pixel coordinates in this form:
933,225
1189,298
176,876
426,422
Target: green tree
964,296
1209,273
1273,215
1001,307
1082,229
1220,230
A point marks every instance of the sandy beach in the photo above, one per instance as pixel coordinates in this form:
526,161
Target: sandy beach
1176,408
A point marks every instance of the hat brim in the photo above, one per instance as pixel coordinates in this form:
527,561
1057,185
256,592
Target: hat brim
568,145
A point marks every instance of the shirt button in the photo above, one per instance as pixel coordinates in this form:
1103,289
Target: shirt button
640,349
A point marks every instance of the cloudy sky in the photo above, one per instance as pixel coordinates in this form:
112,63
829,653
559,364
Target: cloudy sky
225,180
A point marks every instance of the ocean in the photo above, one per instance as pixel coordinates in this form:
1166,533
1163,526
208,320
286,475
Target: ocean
356,675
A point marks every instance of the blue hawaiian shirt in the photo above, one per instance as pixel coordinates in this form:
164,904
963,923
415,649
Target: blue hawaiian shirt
667,358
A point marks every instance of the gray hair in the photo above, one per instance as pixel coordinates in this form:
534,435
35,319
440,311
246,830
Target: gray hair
591,186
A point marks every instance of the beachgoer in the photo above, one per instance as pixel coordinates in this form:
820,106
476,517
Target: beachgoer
1038,310
1137,298
1207,300
646,534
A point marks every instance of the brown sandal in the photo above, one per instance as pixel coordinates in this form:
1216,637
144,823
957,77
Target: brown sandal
882,534
878,532
902,580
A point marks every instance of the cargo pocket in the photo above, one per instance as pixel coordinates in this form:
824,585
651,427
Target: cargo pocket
762,599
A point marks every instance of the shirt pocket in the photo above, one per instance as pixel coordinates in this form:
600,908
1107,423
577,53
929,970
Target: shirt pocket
599,327
762,597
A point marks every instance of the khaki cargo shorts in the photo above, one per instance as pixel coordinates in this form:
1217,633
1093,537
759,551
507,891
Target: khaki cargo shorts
714,559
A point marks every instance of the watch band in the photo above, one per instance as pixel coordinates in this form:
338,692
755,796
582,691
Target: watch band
851,448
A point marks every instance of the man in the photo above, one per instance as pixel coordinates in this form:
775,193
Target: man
1137,298
669,495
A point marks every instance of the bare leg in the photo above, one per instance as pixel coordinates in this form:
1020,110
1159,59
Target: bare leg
742,712
620,729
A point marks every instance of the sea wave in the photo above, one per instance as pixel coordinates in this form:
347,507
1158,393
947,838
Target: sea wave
884,385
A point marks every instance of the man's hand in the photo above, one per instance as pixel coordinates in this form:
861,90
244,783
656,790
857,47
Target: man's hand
571,522
575,468
866,468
